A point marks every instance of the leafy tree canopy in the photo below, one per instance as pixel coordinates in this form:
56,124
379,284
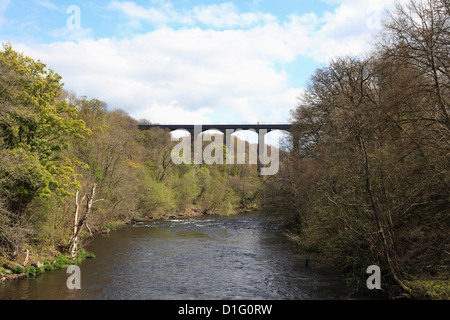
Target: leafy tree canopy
35,127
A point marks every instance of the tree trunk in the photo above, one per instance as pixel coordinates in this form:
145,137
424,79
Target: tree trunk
78,226
387,246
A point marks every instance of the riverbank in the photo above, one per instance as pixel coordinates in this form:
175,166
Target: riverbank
425,288
36,264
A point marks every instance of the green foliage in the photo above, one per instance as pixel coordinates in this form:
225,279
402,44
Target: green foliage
158,199
48,266
112,225
185,186
62,261
35,128
82,255
430,289
18,270
33,271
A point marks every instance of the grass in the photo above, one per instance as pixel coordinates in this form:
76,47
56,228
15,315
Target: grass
112,225
61,261
430,289
33,271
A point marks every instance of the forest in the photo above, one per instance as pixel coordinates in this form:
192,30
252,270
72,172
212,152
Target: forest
368,185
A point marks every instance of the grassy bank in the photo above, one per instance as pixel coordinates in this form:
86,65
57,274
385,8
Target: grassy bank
41,263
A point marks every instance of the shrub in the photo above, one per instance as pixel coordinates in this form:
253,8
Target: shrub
18,270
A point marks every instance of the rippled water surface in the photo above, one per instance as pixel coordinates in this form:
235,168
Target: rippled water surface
239,257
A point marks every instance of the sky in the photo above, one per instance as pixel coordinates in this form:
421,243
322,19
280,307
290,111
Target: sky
191,61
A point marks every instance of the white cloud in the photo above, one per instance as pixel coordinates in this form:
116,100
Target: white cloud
348,30
72,34
164,114
224,15
227,15
178,74
203,75
47,4
157,16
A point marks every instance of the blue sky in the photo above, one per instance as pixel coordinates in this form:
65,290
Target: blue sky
38,19
195,61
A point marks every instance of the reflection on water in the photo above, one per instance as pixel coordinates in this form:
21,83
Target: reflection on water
241,257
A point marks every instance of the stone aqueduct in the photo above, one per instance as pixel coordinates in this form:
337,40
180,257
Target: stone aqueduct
227,129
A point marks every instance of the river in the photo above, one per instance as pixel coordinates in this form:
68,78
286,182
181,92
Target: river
208,258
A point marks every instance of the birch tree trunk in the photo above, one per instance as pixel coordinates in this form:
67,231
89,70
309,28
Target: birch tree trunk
78,225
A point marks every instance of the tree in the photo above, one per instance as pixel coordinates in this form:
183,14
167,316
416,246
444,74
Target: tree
418,33
80,222
157,151
374,152
34,128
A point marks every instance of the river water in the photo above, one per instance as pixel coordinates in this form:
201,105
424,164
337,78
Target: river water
208,258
